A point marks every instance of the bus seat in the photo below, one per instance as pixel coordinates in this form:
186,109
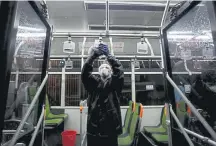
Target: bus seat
128,139
128,117
50,115
51,119
53,122
161,128
181,111
160,137
10,100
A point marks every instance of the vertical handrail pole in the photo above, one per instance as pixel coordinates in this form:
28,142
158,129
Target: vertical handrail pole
81,111
37,128
133,81
83,50
181,127
43,126
63,87
111,46
193,109
161,32
167,112
107,17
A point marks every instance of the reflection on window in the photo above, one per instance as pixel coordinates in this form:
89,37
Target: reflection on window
192,49
149,89
26,69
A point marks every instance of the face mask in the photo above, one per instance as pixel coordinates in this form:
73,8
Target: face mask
105,71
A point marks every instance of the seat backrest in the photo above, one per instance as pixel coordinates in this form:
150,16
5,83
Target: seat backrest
10,106
11,93
47,106
128,114
134,121
163,117
31,93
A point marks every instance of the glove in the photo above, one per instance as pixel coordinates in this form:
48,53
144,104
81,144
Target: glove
104,49
94,52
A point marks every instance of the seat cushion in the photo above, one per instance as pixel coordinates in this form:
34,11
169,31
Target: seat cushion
53,116
125,141
53,122
159,129
160,137
124,133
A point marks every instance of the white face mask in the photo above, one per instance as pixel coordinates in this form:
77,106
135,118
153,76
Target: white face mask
105,71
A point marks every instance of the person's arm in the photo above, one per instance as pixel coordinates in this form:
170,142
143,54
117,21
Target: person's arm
89,80
118,74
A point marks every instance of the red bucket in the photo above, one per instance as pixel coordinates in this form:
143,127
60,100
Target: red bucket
69,138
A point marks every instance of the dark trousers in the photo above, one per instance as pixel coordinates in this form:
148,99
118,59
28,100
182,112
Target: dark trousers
102,141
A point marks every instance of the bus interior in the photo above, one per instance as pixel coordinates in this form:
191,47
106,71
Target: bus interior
167,49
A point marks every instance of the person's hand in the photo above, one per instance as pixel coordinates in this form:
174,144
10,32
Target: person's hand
104,49
95,52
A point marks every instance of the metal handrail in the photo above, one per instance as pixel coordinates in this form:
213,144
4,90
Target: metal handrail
37,128
181,127
204,139
82,137
16,135
169,129
193,109
11,131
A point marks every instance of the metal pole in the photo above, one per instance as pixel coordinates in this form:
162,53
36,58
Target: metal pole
161,50
150,46
83,49
17,79
16,135
193,109
81,106
161,32
133,81
205,139
111,46
37,128
43,126
165,13
107,17
168,124
63,87
96,34
181,128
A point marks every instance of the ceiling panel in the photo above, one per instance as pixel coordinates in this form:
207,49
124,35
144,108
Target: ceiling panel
71,16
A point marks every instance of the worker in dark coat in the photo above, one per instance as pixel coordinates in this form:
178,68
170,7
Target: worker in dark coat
104,122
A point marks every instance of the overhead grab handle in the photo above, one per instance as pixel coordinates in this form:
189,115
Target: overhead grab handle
142,47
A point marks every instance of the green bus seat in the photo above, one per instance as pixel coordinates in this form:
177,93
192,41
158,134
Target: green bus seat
31,91
50,115
128,139
181,112
160,137
51,119
128,117
53,122
161,127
